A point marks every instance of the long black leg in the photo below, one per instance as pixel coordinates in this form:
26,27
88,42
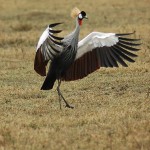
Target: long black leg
61,96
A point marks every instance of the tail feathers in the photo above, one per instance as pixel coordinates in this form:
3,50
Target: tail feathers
49,81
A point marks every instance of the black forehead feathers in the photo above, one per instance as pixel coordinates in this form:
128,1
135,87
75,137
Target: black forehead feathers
83,13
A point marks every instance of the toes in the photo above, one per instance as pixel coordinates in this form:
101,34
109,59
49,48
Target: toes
69,106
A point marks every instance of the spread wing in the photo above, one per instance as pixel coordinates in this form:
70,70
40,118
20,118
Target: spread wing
101,50
48,47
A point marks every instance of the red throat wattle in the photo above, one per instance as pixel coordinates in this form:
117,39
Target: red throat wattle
80,22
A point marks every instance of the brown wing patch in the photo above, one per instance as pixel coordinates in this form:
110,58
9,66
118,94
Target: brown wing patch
40,64
83,66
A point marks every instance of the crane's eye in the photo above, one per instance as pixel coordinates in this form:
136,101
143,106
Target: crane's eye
80,16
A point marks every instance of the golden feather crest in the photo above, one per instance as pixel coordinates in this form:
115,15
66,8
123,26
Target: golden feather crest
74,13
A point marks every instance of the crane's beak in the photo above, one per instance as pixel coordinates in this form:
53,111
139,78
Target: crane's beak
86,17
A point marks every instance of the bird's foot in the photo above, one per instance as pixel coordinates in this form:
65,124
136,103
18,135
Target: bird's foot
69,106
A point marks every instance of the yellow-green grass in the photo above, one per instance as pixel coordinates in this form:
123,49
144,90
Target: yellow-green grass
112,106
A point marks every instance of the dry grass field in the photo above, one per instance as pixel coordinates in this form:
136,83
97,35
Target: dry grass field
112,106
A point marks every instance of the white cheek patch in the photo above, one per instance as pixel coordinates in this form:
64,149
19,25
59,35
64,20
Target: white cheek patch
80,16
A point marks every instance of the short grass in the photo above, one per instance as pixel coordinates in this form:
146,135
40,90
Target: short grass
112,106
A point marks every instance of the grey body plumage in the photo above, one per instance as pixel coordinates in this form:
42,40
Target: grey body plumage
70,44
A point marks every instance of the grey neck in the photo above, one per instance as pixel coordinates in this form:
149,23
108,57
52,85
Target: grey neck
72,38
76,30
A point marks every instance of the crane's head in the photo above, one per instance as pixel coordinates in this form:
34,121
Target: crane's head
80,15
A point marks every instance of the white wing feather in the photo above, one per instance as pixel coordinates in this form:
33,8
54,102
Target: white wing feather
43,37
94,40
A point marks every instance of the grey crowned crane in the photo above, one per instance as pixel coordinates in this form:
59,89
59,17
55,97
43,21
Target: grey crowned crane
72,59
